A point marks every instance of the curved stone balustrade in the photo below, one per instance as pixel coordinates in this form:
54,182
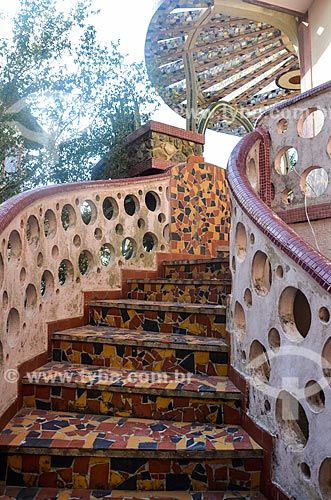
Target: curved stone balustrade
60,241
279,312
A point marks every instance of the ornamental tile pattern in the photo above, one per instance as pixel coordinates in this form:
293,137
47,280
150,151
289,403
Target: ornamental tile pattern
214,269
200,210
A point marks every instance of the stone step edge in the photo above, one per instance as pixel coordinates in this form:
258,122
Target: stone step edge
192,262
106,375
185,307
64,494
209,344
169,281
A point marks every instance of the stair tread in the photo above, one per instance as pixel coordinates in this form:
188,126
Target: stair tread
33,431
13,492
186,307
125,336
135,381
195,261
184,281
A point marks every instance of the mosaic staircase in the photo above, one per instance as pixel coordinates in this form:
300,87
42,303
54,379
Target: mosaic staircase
137,404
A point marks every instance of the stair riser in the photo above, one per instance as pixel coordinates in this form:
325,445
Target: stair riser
132,473
217,271
202,294
124,404
208,325
142,358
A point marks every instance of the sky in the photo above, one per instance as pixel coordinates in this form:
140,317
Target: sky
127,21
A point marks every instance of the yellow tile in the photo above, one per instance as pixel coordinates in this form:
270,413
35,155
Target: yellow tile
222,370
255,483
98,460
79,482
128,365
81,402
150,485
29,480
65,345
163,402
157,367
15,462
29,401
181,445
202,357
103,408
109,351
44,463
198,486
75,357
123,414
106,396
115,479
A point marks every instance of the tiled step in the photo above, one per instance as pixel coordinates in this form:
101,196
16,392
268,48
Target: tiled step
163,317
141,350
12,493
70,450
196,291
115,392
217,269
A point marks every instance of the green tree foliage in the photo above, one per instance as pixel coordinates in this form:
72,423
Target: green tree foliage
85,96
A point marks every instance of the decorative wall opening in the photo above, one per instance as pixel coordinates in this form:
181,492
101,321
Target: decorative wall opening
324,479
152,201
293,424
286,160
252,174
294,313
128,248
261,273
14,247
324,315
68,217
239,319
13,327
32,231
311,123
50,224
65,272
85,262
30,301
149,242
259,364
47,284
315,396
109,208
131,204
274,339
88,212
107,254
314,182
241,242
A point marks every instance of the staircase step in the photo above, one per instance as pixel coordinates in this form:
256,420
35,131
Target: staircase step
166,290
115,392
217,269
164,317
12,493
141,350
55,449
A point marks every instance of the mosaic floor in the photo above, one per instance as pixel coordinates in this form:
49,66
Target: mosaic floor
13,493
88,434
127,336
151,305
135,381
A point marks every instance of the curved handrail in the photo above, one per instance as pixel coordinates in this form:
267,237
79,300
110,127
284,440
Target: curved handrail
310,260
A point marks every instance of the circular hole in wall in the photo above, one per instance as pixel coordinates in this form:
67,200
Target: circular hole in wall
14,247
315,396
282,126
324,479
149,242
40,259
85,262
252,174
292,421
47,284
68,217
30,301
274,339
152,201
166,233
161,218
65,272
160,188
314,181
107,253
77,202
326,360
110,208
22,275
248,297
311,123
55,252
294,313
286,160
287,196
267,406
259,364
50,224
324,314
328,147
131,204
239,319
33,231
98,234
77,241
97,198
2,267
305,470
128,248
279,272
141,223
241,241
13,327
119,229
234,264
261,273
168,193
1,353
252,238
88,212
5,300
273,191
